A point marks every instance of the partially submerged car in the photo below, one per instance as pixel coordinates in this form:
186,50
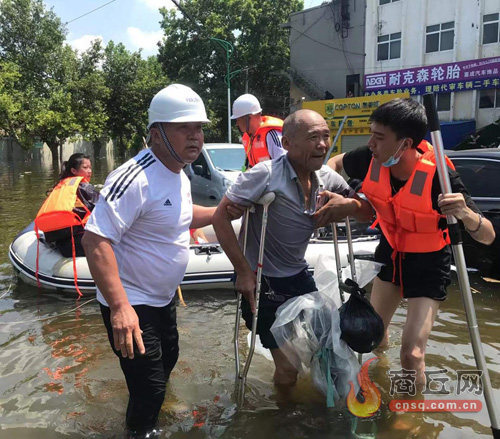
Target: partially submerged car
480,172
215,169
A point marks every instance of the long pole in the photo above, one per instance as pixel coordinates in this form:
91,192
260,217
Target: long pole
334,142
228,98
458,255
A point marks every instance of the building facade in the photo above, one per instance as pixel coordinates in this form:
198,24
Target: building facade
327,51
449,47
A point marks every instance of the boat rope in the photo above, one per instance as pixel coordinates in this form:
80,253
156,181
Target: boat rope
41,319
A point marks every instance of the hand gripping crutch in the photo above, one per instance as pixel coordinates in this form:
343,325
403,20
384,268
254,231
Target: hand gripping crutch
241,375
350,257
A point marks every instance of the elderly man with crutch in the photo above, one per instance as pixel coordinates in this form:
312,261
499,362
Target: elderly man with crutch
307,195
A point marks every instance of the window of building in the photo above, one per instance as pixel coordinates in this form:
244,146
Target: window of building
440,37
384,2
491,29
489,98
443,101
389,46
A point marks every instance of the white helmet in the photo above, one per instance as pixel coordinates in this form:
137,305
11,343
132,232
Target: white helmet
244,105
176,103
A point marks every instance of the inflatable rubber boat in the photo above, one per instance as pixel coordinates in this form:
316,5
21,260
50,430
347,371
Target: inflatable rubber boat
208,266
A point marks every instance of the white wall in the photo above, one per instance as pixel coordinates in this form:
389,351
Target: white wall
9,149
411,18
320,55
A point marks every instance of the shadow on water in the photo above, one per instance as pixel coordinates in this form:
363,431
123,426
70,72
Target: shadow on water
59,377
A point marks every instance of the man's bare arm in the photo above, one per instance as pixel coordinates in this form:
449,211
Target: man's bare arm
245,282
104,269
338,207
202,216
479,228
336,162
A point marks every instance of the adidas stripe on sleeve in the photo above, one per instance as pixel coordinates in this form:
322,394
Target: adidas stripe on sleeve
121,199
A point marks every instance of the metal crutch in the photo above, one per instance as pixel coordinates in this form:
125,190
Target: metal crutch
350,257
241,375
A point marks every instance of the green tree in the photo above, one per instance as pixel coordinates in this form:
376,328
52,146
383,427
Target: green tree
149,80
89,94
32,38
52,115
132,82
10,98
188,54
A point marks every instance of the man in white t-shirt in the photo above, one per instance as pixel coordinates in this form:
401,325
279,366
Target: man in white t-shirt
137,247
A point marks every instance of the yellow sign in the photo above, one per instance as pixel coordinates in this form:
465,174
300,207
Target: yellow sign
357,110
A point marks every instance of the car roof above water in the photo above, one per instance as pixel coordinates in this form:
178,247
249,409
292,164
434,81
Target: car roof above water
475,153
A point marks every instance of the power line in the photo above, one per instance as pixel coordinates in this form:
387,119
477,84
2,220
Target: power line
90,12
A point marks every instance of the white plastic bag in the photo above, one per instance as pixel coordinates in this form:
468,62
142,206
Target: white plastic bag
307,329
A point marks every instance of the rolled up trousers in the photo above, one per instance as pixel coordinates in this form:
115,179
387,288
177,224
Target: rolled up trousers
147,374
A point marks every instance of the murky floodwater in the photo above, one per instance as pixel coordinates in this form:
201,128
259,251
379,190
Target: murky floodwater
59,377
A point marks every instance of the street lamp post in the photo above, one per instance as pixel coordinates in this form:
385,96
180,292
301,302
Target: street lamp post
228,47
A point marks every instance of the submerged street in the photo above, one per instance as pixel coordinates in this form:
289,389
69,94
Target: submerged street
60,379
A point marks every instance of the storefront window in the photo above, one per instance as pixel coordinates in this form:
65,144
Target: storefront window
489,98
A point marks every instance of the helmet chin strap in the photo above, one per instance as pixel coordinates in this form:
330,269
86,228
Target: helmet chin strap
171,150
247,123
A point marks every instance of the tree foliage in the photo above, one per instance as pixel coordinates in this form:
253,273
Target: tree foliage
49,92
132,82
32,39
189,54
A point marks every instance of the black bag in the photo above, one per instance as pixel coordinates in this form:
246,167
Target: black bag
361,327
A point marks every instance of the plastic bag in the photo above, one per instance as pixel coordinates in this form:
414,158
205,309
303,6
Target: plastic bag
307,329
361,327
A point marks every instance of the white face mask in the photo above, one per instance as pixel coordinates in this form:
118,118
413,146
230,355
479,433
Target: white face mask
391,161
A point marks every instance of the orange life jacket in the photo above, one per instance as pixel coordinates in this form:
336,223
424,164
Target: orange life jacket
57,213
425,146
407,219
256,147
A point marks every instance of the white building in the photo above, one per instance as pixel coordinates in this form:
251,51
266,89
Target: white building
403,36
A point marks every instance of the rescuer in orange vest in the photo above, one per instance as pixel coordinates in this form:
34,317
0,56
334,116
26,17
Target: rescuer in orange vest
68,206
402,184
261,134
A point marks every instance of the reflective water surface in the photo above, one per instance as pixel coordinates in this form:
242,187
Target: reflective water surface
59,377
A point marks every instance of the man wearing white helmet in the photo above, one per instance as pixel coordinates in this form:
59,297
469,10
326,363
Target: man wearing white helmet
261,134
137,247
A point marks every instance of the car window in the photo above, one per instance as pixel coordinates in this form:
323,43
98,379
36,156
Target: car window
481,177
227,159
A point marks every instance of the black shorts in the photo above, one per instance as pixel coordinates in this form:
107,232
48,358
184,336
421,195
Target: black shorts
284,288
423,274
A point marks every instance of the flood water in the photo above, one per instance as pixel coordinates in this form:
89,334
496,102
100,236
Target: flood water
60,379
